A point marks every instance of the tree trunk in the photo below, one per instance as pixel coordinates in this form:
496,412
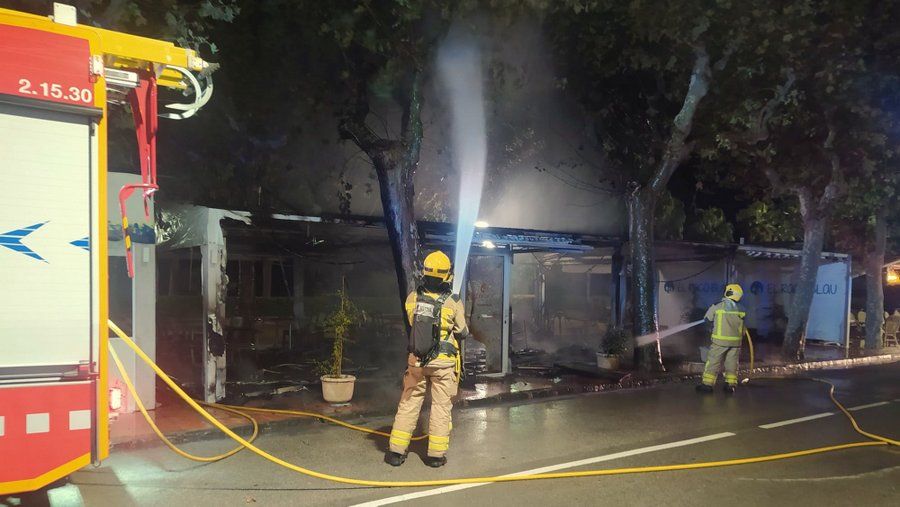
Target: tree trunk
874,263
798,313
641,203
395,164
397,193
814,211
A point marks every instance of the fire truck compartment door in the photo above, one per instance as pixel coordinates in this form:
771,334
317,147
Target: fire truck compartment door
45,259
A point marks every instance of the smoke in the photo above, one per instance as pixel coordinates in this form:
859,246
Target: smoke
459,70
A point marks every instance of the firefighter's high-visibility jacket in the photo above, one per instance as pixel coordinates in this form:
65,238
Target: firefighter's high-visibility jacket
727,319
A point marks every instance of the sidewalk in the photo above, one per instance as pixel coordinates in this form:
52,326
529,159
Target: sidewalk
377,396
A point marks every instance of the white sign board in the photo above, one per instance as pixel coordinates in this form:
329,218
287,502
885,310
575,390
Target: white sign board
769,288
828,314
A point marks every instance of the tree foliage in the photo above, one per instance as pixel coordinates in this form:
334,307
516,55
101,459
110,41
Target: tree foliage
769,220
669,218
188,24
710,224
643,71
802,115
631,63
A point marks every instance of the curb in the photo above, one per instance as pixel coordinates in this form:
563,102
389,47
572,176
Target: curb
629,382
780,369
826,364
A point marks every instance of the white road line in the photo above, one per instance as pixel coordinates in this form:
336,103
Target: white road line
547,469
870,405
794,421
819,416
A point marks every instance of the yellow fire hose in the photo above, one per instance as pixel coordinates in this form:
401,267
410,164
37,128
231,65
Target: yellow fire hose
877,440
315,415
750,343
159,433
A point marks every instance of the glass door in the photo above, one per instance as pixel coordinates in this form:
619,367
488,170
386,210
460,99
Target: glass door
486,313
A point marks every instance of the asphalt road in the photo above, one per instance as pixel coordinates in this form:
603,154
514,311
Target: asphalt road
656,426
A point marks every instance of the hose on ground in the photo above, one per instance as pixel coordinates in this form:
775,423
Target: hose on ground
878,441
314,415
159,433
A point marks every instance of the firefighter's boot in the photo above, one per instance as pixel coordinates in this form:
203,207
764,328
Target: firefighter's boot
704,389
435,462
394,459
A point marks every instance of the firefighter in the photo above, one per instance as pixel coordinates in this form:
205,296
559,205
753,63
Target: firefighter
437,323
727,322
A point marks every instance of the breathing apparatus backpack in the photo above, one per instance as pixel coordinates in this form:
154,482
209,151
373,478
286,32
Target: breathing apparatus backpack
425,332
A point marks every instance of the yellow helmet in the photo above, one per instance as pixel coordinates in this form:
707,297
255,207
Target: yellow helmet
437,264
734,292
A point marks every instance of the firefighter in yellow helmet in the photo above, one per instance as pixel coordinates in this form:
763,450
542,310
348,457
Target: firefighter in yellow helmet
727,322
437,323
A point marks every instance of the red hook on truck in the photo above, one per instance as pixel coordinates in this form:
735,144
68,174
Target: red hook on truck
144,110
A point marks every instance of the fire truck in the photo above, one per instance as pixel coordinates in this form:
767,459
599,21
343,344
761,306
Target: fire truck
58,80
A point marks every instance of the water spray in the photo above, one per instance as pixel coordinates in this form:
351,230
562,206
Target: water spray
659,335
459,69
649,338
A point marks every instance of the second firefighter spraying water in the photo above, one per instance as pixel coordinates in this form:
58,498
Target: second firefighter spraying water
727,322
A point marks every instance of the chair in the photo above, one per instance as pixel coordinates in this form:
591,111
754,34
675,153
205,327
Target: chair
891,327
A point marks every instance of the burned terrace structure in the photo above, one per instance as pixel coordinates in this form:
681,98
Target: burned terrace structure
241,297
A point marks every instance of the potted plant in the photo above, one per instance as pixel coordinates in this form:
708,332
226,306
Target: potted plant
613,346
337,387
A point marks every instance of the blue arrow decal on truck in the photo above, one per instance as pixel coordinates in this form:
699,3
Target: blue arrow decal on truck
13,240
83,243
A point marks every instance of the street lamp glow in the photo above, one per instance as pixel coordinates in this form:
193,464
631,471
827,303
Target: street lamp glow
893,276
488,244
481,224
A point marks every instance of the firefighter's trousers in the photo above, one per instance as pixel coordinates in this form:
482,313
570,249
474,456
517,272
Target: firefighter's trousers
719,356
444,383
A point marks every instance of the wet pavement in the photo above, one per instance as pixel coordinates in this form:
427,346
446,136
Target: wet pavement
660,425
376,394
373,397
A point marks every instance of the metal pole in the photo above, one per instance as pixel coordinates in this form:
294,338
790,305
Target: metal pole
616,283
848,297
507,288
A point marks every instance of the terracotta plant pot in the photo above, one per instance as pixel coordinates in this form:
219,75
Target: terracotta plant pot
338,389
608,361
